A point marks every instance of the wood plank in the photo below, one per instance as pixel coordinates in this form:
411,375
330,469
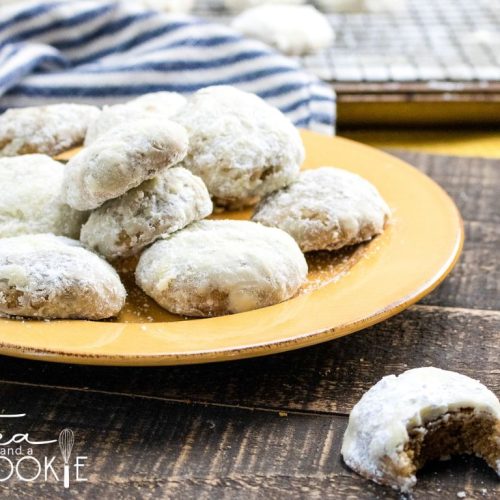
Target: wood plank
474,185
144,448
329,377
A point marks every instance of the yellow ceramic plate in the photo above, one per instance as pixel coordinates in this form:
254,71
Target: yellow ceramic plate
347,291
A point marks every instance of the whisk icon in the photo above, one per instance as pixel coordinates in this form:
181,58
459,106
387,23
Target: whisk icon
66,442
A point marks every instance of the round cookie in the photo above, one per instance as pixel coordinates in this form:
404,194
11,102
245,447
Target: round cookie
240,146
239,5
162,205
423,414
217,267
166,103
47,276
173,6
31,198
292,29
326,209
50,130
160,104
122,159
375,6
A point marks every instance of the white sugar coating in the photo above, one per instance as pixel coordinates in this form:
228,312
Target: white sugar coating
340,5
239,5
217,267
240,146
162,205
379,423
31,198
163,104
49,129
327,208
166,103
173,6
292,29
47,276
122,159
360,5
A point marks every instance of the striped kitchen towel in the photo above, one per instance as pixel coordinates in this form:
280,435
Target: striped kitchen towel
103,52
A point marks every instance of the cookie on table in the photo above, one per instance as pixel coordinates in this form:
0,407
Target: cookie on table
31,198
49,130
423,414
47,276
240,146
217,267
162,205
163,104
292,29
122,159
327,208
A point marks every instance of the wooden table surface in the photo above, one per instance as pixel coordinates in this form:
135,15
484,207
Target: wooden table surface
272,427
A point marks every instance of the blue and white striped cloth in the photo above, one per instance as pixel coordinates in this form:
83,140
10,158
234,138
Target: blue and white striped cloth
106,52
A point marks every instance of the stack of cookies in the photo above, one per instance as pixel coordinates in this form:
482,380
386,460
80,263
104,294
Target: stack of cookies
147,175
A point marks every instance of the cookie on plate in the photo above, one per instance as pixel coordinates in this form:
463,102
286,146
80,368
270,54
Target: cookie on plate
122,159
162,205
47,276
50,130
217,267
423,414
326,209
31,198
361,5
240,146
292,29
161,104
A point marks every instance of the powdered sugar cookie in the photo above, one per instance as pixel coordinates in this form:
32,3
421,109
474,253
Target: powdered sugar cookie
240,146
165,103
292,29
31,198
162,205
361,5
122,159
217,267
46,129
423,414
47,276
239,5
326,209
174,6
160,104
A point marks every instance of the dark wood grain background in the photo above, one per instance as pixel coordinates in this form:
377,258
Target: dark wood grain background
272,427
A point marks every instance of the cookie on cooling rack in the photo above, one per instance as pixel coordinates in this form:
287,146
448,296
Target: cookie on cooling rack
239,5
122,159
160,206
217,267
292,29
326,209
240,146
423,414
50,130
31,198
160,104
47,276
